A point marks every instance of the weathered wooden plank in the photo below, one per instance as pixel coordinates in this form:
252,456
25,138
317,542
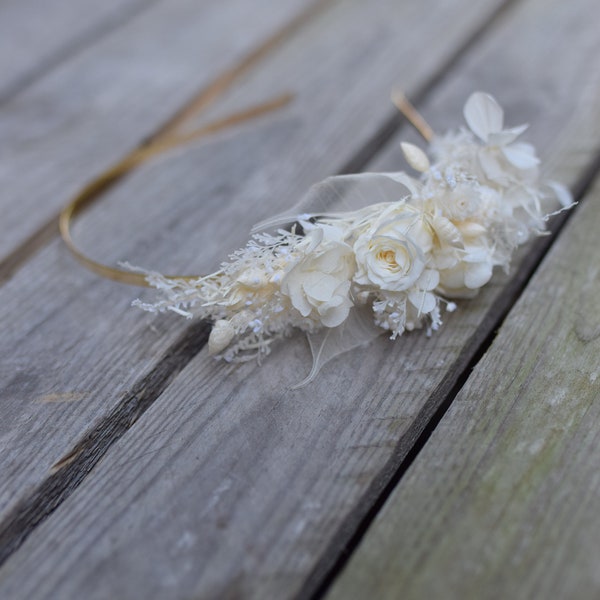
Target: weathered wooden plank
124,87
503,501
229,485
34,38
51,330
72,336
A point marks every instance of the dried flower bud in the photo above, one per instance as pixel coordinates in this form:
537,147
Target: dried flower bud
415,157
252,278
221,335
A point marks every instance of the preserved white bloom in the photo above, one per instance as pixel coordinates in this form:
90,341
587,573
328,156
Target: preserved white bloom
501,156
467,276
391,262
319,284
394,261
393,255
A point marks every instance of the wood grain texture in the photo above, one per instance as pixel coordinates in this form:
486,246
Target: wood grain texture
68,333
56,342
231,486
35,37
503,501
103,102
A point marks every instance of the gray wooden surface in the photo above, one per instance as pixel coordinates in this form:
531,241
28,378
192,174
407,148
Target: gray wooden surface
126,85
35,37
134,466
503,501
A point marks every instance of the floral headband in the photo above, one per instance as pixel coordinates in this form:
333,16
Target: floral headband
375,253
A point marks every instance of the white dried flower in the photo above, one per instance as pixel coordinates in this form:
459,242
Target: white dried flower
438,236
392,255
319,284
466,277
500,156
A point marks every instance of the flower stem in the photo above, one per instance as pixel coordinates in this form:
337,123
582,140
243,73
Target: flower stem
412,115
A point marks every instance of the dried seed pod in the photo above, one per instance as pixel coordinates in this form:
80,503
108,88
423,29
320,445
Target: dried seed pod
415,157
220,337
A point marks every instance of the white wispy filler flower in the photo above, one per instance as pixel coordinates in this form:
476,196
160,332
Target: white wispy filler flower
345,277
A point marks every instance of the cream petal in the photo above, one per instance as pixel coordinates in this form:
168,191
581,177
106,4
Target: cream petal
314,238
332,233
429,280
333,303
491,167
336,316
506,136
471,229
333,259
425,302
446,231
476,254
298,299
483,115
453,278
445,260
521,156
343,289
319,286
478,274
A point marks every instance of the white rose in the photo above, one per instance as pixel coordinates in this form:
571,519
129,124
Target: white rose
319,285
393,256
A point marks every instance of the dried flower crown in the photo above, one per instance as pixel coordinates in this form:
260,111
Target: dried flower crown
399,252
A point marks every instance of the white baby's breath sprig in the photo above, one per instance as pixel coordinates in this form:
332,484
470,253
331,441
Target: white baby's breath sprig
432,238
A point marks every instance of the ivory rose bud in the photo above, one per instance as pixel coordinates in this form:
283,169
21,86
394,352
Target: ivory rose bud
319,285
393,257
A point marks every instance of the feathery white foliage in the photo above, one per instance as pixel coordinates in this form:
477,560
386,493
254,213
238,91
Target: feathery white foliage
433,238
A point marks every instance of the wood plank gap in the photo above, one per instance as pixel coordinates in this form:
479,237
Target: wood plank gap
412,443
71,470
200,100
30,247
82,41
